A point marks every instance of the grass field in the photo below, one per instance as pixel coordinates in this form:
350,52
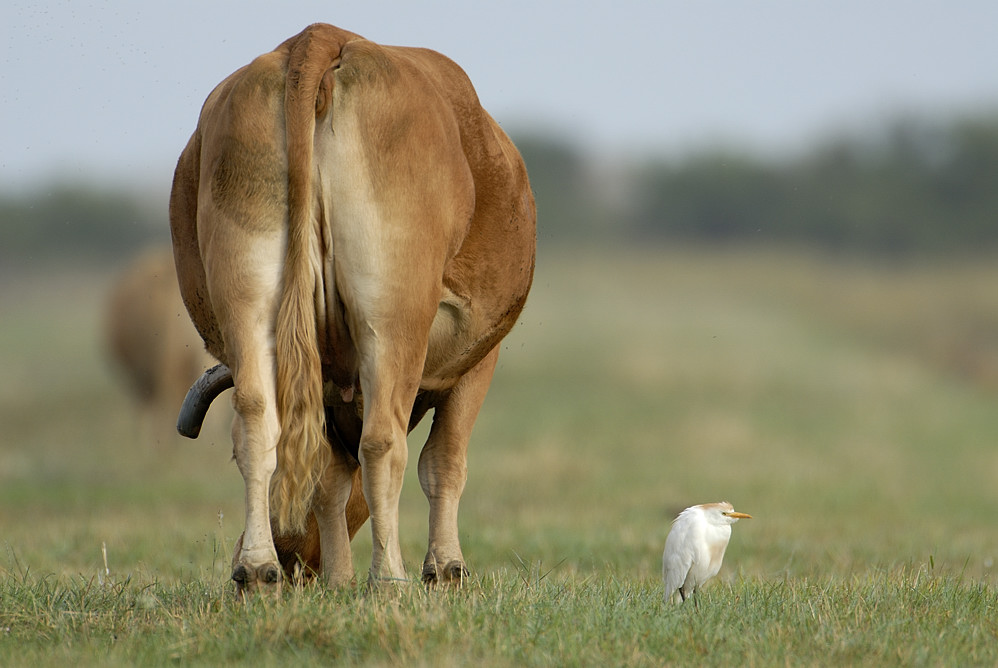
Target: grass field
850,407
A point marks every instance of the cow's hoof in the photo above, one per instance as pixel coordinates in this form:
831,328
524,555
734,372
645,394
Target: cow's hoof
264,578
454,573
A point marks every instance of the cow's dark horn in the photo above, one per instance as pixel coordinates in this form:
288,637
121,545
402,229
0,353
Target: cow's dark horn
212,383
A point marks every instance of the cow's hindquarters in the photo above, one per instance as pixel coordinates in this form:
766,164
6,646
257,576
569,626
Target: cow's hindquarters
378,230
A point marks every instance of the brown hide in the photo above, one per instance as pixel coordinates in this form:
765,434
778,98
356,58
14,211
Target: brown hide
353,235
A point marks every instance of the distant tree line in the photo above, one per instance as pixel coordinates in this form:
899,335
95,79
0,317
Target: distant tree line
910,186
69,220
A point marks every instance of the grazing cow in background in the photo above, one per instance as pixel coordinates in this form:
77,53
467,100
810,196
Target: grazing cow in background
353,235
152,343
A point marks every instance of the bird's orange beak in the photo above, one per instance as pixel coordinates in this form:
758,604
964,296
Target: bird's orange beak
739,516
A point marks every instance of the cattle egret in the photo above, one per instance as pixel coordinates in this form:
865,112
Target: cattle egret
695,547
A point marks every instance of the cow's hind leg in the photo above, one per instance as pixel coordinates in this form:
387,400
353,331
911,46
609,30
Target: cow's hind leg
243,280
443,471
383,452
255,430
391,352
340,510
254,435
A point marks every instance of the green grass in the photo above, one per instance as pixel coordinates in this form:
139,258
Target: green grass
907,616
850,407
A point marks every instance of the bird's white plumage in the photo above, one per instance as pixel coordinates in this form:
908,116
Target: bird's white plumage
694,548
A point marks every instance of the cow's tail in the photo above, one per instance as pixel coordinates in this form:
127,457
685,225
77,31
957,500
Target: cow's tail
302,450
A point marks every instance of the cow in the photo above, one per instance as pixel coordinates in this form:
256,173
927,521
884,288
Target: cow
353,236
151,342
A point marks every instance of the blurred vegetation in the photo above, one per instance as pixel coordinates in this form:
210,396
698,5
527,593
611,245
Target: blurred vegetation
85,221
911,185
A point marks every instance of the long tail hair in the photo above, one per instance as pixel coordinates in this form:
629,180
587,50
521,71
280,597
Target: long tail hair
302,450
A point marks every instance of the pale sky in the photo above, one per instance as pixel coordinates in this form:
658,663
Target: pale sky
111,90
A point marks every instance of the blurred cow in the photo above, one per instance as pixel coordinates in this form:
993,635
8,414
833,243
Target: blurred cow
152,342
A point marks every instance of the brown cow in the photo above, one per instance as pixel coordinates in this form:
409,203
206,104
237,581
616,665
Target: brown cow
353,235
151,341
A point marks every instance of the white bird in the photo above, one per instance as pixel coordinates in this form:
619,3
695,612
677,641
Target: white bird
695,547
